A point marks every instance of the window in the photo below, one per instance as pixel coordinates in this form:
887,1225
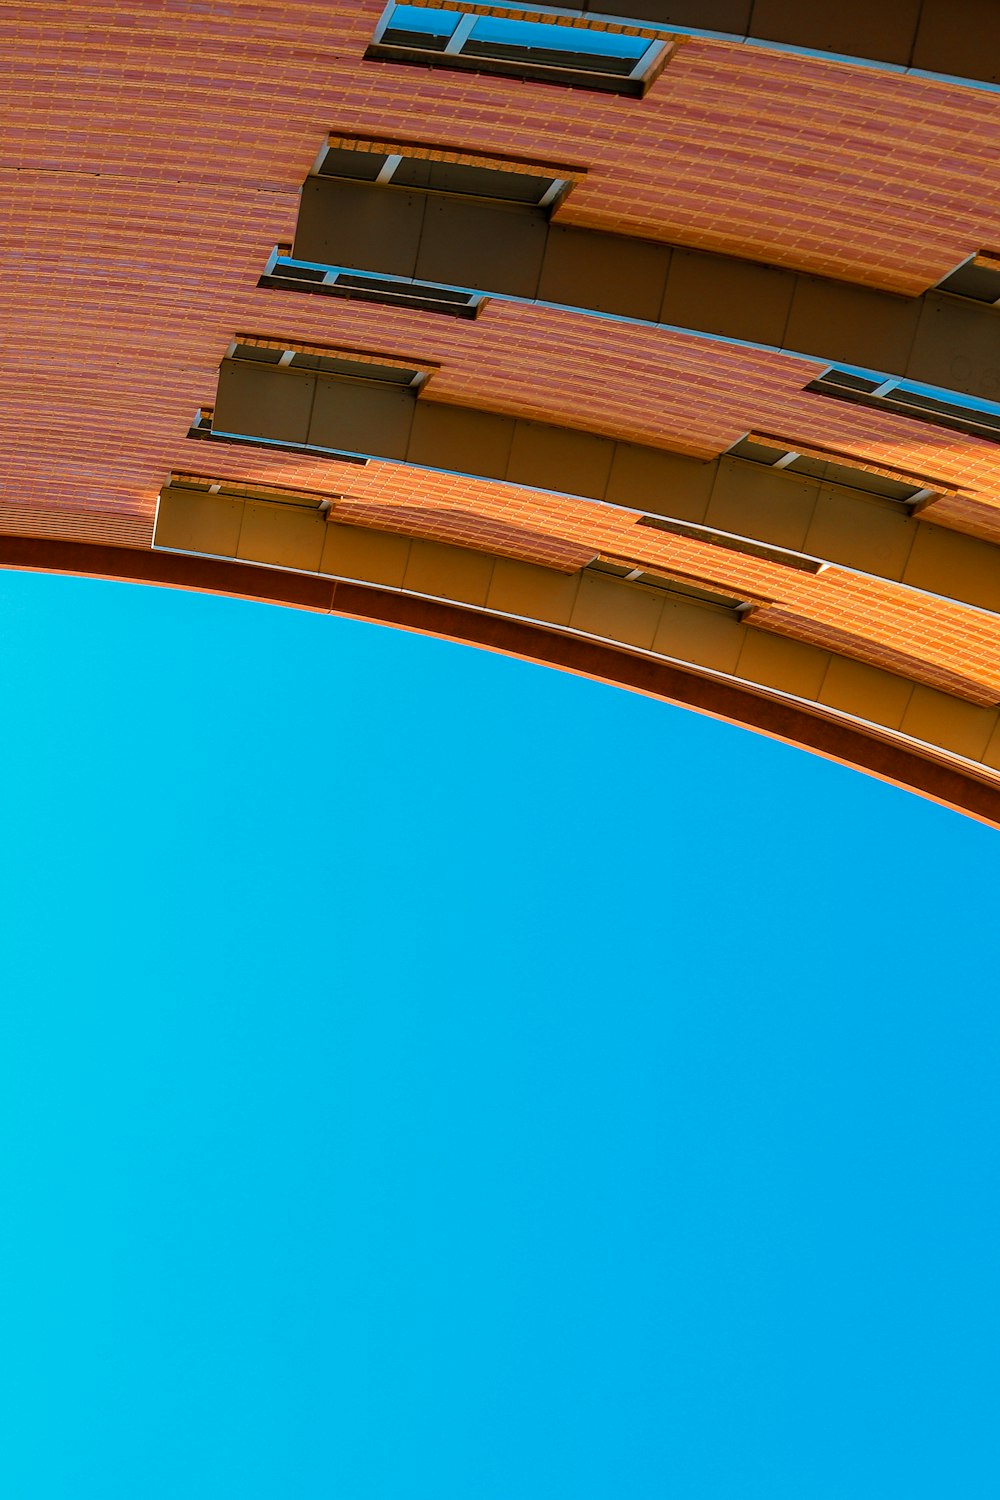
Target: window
330,361
283,273
513,183
228,489
925,402
779,555
977,278
203,427
631,574
567,51
902,489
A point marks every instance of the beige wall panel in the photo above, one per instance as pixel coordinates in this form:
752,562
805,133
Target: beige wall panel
448,572
867,692
281,536
536,593
358,224
752,501
665,483
362,417
948,562
776,662
259,401
369,556
960,341
456,437
470,244
604,272
836,321
735,298
193,521
972,49
869,535
695,633
859,28
555,458
943,720
992,756
617,610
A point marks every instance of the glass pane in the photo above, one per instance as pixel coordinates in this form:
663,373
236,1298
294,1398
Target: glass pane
432,23
579,40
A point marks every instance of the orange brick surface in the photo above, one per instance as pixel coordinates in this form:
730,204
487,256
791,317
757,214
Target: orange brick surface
151,156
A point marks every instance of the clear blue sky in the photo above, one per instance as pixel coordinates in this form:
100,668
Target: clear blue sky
423,1075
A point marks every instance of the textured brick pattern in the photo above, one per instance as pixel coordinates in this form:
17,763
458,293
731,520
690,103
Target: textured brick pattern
151,156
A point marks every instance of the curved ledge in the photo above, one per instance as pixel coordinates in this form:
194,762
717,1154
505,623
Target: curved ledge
915,768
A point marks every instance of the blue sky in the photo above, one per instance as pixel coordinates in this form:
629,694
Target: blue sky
424,1075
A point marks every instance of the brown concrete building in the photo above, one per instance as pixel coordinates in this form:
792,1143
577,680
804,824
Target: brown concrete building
657,341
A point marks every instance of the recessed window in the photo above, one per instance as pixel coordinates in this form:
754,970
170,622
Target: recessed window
228,489
903,490
203,427
926,403
286,274
977,278
514,183
567,51
629,573
724,539
330,361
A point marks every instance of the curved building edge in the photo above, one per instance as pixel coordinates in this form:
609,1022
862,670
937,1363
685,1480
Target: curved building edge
910,765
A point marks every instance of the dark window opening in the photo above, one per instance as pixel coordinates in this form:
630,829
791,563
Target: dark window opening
766,553
550,51
943,409
361,166
830,471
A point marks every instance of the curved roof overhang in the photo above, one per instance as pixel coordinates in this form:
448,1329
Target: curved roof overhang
917,767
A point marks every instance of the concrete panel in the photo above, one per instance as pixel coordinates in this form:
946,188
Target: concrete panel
282,536
459,438
535,593
604,272
369,556
860,533
775,661
992,755
619,611
856,28
448,572
359,224
261,401
667,484
491,247
752,500
698,633
834,321
362,417
735,298
943,720
194,521
948,562
965,41
867,692
558,458
958,346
